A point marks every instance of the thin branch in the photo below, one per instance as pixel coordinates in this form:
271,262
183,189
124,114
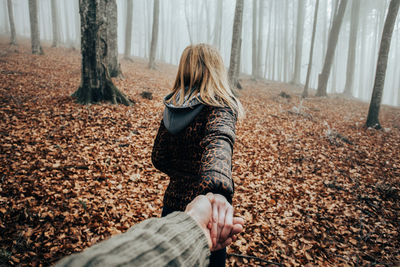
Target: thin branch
255,258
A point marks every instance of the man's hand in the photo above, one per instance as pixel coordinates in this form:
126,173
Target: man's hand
214,215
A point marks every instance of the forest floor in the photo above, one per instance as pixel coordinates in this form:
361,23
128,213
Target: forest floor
313,184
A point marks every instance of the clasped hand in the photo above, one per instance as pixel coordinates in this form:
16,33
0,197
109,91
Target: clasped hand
214,214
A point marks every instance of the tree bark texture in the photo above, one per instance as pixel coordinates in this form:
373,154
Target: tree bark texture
114,68
236,37
305,92
351,56
13,38
54,22
332,42
96,84
128,29
154,35
374,106
35,36
299,42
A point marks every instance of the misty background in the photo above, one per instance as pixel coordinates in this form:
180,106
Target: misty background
210,21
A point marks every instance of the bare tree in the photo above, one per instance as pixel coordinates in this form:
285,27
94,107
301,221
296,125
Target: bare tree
54,22
188,23
35,36
254,41
299,42
13,39
218,25
351,56
154,36
305,92
128,29
376,99
236,38
77,21
332,42
114,68
96,84
259,40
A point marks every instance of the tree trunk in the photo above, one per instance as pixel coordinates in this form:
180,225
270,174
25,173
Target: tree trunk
254,42
54,23
96,84
235,49
35,36
154,35
114,68
374,106
128,29
260,32
332,42
188,23
305,92
299,42
218,25
13,39
77,21
351,56
68,40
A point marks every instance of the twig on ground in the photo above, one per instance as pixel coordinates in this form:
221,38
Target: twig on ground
255,258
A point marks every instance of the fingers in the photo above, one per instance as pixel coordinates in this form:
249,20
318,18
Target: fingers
227,227
214,227
221,220
238,220
236,229
222,245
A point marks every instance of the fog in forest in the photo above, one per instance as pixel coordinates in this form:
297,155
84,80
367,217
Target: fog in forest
275,24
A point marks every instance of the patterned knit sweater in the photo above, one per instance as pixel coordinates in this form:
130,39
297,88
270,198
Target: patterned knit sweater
198,159
175,240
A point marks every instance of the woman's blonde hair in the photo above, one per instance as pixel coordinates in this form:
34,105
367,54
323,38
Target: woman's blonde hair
202,71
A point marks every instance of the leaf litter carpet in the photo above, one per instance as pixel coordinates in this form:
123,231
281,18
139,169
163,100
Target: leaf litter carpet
314,186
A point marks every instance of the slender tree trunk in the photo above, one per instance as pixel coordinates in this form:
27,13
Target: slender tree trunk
235,50
260,40
114,68
188,23
332,42
254,41
13,39
286,43
351,56
305,92
376,99
96,84
67,25
218,25
154,36
77,21
299,42
267,69
128,29
54,22
35,36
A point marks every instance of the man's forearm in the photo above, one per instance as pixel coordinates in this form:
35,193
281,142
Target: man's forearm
175,239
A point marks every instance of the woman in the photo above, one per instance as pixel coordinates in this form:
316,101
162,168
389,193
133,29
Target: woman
195,140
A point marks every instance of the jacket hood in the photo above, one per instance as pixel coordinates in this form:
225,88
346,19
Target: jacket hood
176,118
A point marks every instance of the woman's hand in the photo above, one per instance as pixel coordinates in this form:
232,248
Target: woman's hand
223,226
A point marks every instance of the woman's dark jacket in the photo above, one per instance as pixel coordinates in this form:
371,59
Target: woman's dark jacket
194,146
